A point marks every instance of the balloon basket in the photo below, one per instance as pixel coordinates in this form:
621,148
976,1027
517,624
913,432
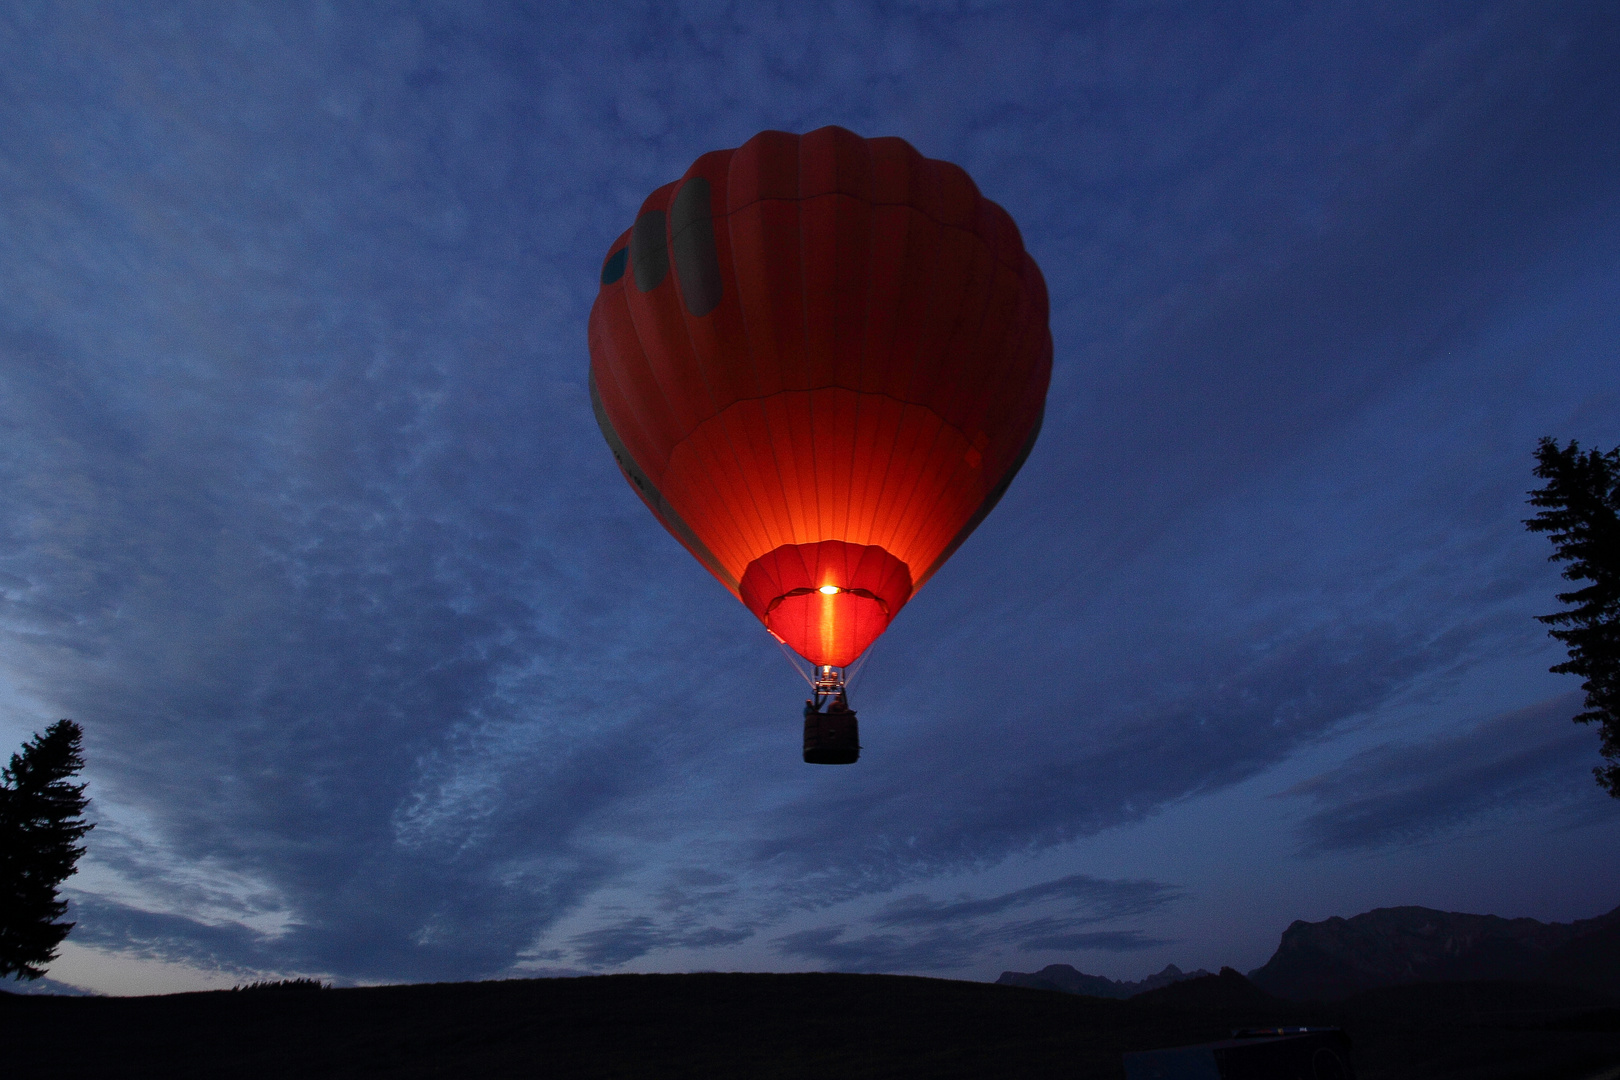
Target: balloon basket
831,738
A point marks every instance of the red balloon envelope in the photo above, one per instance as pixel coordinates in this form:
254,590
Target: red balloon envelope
820,360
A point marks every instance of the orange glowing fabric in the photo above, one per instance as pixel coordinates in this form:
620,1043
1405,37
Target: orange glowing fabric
820,360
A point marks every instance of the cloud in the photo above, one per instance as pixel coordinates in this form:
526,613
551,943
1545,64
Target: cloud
611,945
48,985
918,933
1097,940
227,947
935,951
1407,793
1104,899
1082,766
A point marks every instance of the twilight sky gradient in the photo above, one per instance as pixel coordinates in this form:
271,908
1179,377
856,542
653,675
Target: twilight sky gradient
386,675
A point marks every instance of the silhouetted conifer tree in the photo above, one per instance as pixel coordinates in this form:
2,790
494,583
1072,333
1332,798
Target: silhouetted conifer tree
1582,513
40,826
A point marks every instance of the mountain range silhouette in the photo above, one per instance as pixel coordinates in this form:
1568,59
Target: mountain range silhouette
1337,958
1065,978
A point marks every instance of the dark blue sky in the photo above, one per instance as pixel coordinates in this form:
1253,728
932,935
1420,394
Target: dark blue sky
386,674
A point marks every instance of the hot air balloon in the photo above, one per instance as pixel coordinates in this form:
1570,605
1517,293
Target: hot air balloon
820,360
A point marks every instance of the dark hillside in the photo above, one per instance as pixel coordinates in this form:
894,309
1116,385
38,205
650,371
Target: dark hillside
1482,1031
1591,960
1229,991
620,1025
784,1026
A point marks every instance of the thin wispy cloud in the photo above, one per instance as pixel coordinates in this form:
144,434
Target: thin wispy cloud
1102,899
1407,793
636,937
919,932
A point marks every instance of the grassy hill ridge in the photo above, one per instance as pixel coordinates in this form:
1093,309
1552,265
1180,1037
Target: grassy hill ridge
753,1025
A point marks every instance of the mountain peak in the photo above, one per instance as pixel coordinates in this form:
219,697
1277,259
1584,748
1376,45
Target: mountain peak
1337,957
1067,979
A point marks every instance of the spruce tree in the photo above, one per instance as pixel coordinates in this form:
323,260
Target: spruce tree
1581,512
40,827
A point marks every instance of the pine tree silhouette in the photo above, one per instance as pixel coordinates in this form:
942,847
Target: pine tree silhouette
40,826
1581,512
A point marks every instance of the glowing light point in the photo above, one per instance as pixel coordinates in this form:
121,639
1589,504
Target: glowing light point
828,590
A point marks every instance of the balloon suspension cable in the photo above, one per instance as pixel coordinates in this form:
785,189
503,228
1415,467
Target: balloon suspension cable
855,670
780,644
827,682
